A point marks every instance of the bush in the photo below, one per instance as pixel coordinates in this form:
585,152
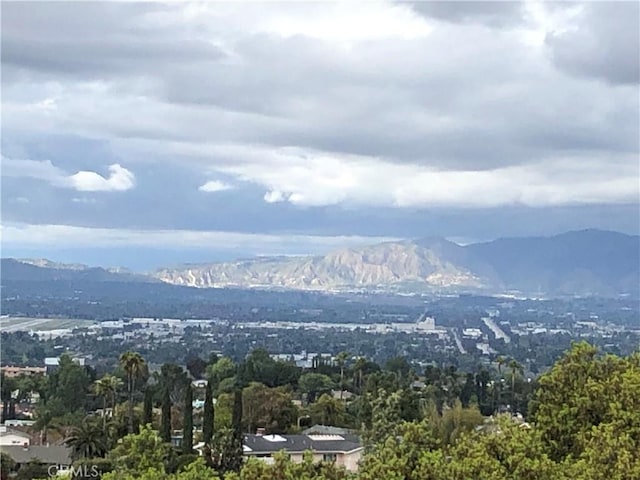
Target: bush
91,468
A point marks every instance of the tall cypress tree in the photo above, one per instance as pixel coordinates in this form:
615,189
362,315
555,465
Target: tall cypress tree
187,424
165,421
234,461
147,413
208,416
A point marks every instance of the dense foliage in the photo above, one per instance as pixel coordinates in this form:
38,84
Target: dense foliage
583,421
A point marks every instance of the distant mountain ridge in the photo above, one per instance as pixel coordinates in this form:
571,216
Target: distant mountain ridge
574,263
581,262
43,270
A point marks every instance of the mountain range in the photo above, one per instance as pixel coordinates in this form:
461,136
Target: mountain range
588,262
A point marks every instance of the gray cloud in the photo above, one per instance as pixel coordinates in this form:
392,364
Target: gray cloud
493,13
93,39
332,114
604,43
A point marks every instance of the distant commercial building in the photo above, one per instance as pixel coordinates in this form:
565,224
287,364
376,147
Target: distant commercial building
51,363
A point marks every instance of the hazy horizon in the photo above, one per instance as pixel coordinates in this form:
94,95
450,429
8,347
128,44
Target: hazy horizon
139,134
150,258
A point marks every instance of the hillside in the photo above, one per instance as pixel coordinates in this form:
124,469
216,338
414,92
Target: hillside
583,262
574,263
42,270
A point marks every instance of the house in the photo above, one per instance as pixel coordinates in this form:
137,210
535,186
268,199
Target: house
344,450
9,436
11,371
14,422
56,457
342,395
199,384
326,430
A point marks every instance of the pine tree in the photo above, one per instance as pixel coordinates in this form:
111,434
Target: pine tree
165,422
208,416
147,413
187,424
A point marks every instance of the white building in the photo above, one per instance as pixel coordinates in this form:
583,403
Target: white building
9,437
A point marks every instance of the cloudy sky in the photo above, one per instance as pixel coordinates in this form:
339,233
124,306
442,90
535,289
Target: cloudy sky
142,134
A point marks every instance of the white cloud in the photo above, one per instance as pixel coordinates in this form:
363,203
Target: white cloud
119,179
311,178
215,186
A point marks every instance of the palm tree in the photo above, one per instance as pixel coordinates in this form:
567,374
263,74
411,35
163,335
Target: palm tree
501,361
88,440
134,366
341,359
358,369
514,366
45,421
107,387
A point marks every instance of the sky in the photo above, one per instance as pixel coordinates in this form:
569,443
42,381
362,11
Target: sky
147,134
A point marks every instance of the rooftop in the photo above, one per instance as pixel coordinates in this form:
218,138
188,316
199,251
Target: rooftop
52,455
333,443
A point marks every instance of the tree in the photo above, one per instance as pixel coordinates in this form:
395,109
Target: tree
223,368
7,386
585,401
386,414
457,420
88,440
399,453
6,466
226,452
147,410
341,360
187,424
107,387
232,453
165,419
236,419
31,470
259,367
134,366
138,453
175,379
46,421
399,366
314,384
507,451
358,371
285,468
197,367
269,408
208,416
328,411
515,367
69,385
